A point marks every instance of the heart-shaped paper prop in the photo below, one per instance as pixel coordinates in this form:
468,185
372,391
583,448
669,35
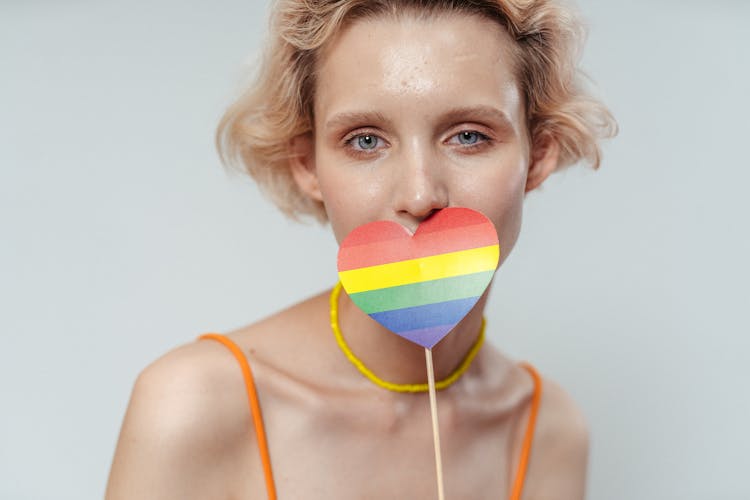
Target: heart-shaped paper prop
420,286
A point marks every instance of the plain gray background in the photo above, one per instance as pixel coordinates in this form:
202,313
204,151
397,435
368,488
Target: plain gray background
123,237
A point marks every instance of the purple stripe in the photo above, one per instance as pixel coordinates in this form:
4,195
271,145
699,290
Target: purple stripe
427,337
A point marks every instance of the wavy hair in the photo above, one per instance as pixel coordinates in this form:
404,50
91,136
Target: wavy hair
255,132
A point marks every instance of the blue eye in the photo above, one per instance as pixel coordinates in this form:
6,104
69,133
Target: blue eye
367,141
364,144
468,138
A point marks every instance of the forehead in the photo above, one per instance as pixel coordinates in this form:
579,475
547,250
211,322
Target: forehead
417,65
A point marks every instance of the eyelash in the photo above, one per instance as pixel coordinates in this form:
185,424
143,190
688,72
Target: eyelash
348,142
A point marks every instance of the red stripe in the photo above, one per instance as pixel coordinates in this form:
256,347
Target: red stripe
422,245
382,230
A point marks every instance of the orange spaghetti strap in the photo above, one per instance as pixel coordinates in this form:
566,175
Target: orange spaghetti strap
252,397
529,436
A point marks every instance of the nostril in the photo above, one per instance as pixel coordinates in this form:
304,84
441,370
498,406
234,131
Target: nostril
411,221
419,215
430,214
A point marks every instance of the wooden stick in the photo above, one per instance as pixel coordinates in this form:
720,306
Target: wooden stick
435,428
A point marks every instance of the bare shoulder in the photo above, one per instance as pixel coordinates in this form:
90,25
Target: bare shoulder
188,428
193,385
559,454
185,417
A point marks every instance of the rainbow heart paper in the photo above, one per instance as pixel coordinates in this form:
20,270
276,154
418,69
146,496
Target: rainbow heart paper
420,286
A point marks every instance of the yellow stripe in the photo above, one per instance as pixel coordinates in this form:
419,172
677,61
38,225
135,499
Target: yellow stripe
434,267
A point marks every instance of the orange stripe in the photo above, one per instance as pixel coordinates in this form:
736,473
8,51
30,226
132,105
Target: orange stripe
252,396
528,438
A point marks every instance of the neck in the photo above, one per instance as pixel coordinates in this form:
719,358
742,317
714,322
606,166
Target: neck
398,360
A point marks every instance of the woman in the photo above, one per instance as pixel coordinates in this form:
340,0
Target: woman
370,110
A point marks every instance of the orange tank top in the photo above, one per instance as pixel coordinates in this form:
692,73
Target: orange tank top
260,432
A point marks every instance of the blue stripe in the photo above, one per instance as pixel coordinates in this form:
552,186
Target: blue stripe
412,318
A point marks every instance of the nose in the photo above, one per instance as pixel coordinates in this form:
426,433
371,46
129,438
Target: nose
420,188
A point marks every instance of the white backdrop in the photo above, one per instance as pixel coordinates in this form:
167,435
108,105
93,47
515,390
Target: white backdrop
121,237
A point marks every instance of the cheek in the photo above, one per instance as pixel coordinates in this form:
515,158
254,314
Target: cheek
350,201
502,202
509,225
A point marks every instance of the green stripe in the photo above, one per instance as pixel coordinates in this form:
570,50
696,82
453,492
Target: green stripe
423,293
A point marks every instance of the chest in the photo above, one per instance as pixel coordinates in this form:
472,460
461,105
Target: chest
363,451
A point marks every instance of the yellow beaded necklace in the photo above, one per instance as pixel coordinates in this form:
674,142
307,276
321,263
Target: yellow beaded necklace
441,384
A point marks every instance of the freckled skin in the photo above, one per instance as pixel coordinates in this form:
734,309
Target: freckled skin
413,78
403,152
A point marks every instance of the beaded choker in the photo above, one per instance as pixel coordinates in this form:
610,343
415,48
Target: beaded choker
441,384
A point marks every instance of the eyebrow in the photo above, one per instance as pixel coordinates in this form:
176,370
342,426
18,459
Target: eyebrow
480,112
346,118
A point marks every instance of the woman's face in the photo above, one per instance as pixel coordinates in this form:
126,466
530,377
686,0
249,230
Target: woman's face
412,116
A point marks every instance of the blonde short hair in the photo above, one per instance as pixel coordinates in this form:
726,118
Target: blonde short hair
255,132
